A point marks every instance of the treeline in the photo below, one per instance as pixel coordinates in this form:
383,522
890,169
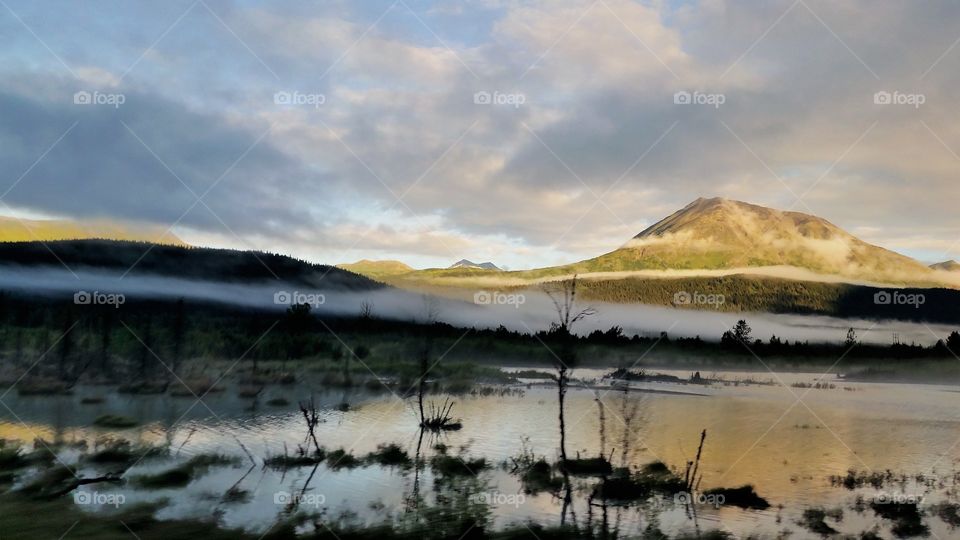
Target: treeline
178,261
148,339
774,295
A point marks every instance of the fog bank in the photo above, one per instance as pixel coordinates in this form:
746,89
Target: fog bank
533,313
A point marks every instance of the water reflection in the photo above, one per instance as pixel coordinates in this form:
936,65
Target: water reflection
758,435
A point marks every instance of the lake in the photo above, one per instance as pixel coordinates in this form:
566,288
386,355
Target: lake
784,439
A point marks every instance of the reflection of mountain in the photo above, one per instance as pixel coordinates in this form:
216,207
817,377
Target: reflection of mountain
28,230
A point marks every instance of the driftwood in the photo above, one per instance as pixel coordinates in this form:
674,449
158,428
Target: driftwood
113,478
312,418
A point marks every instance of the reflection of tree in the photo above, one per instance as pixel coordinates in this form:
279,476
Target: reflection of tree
459,506
563,294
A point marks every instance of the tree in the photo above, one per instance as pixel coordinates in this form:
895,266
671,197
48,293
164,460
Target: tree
953,342
66,348
431,312
563,294
296,323
179,323
739,335
851,338
361,352
366,310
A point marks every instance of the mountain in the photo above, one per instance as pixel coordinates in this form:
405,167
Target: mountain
717,234
949,266
142,259
375,269
29,230
465,263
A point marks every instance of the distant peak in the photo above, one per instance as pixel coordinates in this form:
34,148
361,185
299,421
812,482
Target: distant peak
467,263
950,266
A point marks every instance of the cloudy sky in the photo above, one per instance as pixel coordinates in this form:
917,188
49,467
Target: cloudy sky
523,132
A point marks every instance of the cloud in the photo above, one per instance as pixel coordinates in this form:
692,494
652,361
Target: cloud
798,128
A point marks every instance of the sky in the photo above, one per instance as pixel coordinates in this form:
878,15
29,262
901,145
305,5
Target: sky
527,133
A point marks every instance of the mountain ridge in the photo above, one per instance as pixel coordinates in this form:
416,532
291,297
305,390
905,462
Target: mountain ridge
42,230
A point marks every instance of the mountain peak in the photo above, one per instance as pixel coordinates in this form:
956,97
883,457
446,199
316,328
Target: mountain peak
719,233
727,219
949,266
466,263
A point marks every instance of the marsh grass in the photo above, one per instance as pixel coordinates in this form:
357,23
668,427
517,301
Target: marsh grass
446,465
115,421
184,473
282,462
389,455
906,517
594,466
652,479
814,520
26,518
742,497
43,387
342,459
11,457
122,451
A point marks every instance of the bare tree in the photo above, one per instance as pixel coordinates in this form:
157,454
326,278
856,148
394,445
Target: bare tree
431,312
366,310
563,294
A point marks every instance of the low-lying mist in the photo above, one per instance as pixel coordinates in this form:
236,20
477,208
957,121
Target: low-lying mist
533,311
